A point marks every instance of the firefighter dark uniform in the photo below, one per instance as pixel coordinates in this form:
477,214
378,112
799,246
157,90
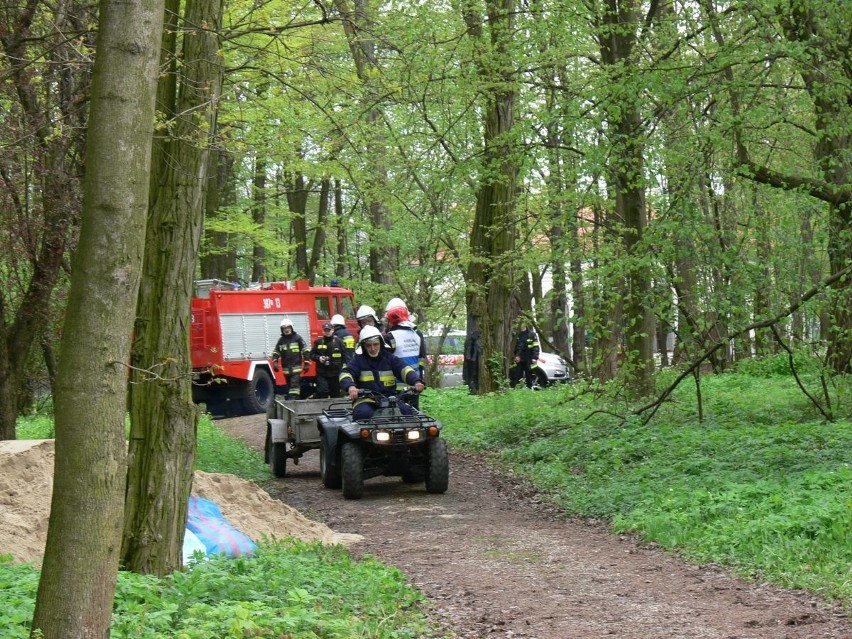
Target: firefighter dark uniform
376,373
329,354
341,332
290,352
526,358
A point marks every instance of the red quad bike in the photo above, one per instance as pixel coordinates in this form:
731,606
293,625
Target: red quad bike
390,444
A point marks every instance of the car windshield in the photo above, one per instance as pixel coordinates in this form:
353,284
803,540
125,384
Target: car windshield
453,345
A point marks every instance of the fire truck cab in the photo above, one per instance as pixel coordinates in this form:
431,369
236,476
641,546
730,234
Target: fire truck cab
234,332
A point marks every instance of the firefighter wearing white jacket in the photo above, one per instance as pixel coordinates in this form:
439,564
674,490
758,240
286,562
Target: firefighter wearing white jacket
404,340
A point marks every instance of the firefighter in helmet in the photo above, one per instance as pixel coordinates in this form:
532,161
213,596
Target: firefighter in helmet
366,316
375,368
404,339
525,360
290,355
345,336
327,352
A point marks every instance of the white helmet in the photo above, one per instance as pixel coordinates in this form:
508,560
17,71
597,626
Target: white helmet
370,332
396,302
285,323
338,320
366,311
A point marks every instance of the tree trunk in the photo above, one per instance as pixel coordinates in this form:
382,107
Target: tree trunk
358,27
297,200
320,234
824,33
491,303
219,259
163,417
340,260
50,157
77,585
258,216
619,27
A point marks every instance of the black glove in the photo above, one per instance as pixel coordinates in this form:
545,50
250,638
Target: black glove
275,365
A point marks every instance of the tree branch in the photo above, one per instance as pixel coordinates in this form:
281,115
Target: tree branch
827,283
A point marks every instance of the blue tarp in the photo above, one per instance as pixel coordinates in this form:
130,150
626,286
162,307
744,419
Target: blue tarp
212,533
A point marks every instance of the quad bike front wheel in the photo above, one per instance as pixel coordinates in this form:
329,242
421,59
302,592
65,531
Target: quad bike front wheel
352,470
437,467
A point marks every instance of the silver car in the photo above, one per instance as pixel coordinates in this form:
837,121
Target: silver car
551,367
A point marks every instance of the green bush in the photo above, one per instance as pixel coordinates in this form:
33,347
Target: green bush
288,589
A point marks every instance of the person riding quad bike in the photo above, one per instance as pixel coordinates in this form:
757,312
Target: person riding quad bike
376,369
380,434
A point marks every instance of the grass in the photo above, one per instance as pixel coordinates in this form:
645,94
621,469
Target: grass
761,485
288,589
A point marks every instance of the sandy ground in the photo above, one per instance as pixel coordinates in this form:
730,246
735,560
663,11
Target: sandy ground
26,486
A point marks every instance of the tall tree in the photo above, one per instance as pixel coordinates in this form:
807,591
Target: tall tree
77,585
491,277
358,25
619,26
163,417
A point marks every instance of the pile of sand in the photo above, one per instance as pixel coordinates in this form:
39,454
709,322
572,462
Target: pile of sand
26,486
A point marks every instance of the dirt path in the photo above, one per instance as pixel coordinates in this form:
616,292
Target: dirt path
497,562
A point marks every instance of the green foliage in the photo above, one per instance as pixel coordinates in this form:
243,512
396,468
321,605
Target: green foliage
35,427
779,365
288,589
760,486
18,586
218,453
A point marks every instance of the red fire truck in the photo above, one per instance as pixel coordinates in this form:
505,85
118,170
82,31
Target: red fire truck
234,332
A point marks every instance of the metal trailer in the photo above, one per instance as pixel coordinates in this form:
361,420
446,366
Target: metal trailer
291,430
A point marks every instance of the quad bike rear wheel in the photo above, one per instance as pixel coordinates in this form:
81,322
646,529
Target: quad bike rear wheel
329,474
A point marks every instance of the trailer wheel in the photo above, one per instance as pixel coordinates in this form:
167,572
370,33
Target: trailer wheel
259,392
279,459
267,444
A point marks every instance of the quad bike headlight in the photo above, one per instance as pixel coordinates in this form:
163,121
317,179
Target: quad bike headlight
383,436
412,435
